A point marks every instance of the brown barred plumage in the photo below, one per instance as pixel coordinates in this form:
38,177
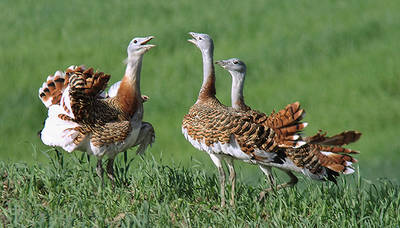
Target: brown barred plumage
86,104
286,124
226,133
102,118
83,117
211,122
320,157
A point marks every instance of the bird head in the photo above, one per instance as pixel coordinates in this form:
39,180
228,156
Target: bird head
232,65
139,46
202,41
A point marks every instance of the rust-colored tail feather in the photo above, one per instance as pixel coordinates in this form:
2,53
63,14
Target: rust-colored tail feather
336,158
286,124
330,153
343,138
326,152
338,149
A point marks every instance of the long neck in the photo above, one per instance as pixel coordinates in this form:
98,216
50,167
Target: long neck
208,87
128,94
132,72
237,98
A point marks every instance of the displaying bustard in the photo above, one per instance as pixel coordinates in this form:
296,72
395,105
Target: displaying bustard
321,158
226,134
81,116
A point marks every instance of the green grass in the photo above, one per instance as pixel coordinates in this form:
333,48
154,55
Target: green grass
340,59
68,193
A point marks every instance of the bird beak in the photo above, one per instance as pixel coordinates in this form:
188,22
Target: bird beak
148,46
222,63
193,41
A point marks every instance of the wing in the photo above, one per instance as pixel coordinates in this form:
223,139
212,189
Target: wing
86,89
226,131
110,133
287,125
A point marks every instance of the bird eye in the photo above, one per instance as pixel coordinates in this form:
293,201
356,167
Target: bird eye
135,41
235,62
200,38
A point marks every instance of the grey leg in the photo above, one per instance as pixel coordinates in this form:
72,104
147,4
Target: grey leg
100,170
232,179
110,171
292,182
217,162
267,170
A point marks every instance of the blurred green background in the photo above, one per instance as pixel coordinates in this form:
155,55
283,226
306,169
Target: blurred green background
340,59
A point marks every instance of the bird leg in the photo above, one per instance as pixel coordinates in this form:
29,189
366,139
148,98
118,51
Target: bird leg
217,162
110,171
232,179
267,171
292,182
222,183
100,170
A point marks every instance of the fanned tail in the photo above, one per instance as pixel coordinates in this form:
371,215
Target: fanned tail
323,162
287,125
330,153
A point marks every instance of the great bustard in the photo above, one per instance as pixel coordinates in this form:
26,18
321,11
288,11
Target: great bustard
224,133
81,116
321,158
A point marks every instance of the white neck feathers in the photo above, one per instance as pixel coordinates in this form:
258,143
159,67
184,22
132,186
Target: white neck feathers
133,69
237,89
208,86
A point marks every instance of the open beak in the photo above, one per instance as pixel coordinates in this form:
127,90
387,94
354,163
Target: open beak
148,46
193,41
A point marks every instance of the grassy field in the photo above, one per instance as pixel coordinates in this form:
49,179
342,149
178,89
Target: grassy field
69,194
340,59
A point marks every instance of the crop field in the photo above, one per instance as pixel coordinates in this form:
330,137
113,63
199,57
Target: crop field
339,59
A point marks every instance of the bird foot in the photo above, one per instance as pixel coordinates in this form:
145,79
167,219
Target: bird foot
264,193
222,204
262,196
232,203
110,172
